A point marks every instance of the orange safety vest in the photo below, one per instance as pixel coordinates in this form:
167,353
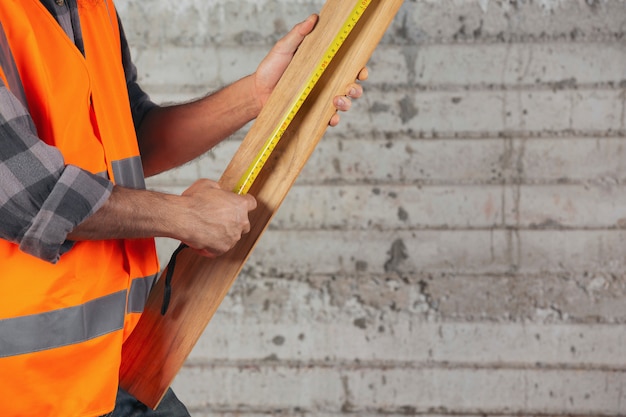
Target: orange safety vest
62,325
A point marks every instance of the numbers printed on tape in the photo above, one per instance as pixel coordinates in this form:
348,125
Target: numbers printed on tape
259,161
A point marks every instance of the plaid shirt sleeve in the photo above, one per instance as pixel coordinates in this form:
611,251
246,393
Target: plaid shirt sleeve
41,198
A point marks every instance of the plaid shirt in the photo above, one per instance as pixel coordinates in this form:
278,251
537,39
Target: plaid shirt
41,198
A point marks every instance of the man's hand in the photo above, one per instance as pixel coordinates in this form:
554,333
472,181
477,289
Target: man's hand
343,103
216,219
275,63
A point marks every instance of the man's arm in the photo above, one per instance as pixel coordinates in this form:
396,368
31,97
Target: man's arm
171,136
204,217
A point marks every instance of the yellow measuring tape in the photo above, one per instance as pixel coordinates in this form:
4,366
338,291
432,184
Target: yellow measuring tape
255,167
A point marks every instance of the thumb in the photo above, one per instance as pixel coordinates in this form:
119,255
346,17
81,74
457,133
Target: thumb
250,202
294,38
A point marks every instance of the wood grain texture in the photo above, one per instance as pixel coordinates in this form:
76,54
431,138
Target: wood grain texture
157,349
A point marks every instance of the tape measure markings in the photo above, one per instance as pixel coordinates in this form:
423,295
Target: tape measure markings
257,164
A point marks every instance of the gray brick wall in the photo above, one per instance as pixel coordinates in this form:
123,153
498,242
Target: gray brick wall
456,247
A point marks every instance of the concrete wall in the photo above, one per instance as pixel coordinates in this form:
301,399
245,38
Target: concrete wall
456,247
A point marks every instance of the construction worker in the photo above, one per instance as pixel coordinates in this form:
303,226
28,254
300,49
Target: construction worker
77,137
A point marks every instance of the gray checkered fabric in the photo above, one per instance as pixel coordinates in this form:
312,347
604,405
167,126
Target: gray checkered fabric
66,14
41,198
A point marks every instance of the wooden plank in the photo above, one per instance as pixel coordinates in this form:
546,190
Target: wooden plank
157,349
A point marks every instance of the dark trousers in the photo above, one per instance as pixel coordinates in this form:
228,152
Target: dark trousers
127,406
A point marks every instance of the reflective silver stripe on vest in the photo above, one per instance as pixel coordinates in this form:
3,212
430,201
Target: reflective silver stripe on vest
28,334
139,290
129,173
7,62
